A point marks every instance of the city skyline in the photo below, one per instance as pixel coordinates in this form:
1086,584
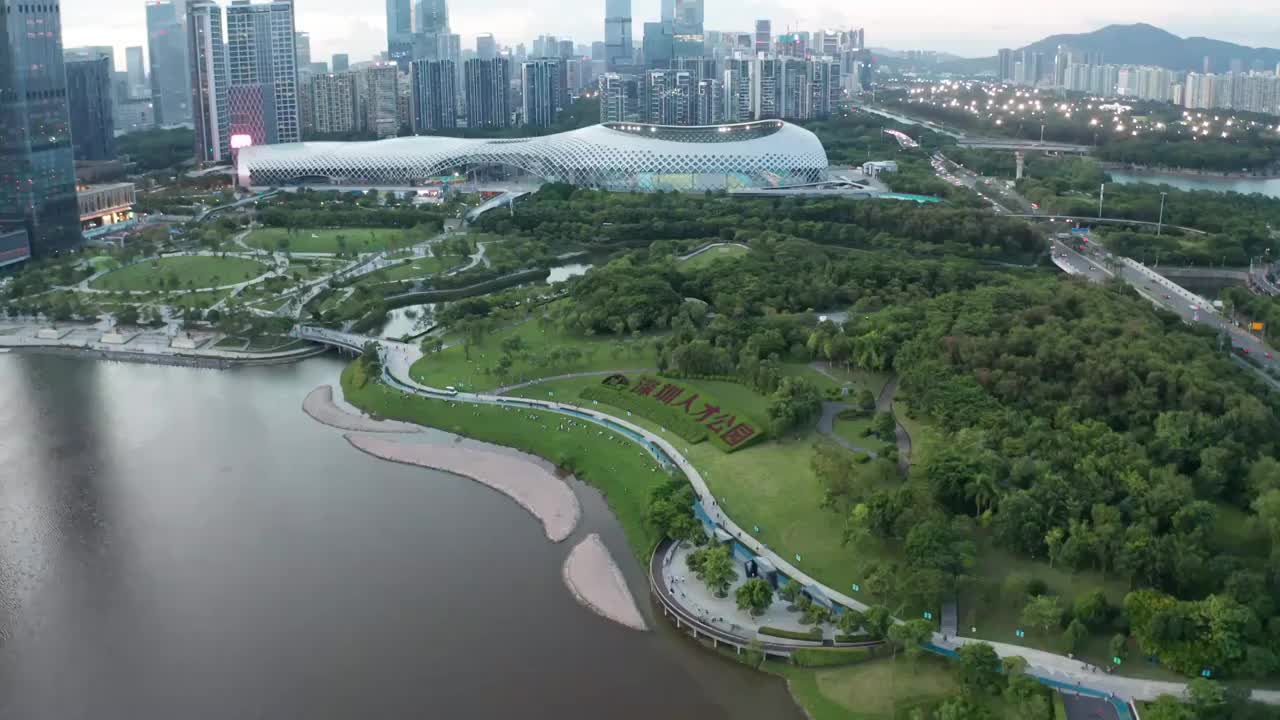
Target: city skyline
967,31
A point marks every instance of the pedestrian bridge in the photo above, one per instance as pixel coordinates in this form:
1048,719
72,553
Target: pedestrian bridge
333,338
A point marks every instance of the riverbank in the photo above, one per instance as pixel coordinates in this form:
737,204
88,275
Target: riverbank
595,580
154,346
1186,173
320,406
196,361
545,496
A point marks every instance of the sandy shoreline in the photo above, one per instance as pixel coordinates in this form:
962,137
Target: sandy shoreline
320,406
526,481
595,580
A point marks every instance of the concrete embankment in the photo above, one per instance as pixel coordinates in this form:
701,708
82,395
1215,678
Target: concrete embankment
521,478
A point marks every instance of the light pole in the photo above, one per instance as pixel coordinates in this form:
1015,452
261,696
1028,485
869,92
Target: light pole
1160,222
1102,191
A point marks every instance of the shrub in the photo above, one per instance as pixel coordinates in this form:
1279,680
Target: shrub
814,633
827,657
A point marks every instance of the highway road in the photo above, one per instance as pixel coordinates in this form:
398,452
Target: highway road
1096,268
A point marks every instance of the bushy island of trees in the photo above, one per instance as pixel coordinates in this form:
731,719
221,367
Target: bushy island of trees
592,219
1078,427
313,209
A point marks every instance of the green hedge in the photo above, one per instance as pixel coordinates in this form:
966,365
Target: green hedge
854,638
827,657
813,634
687,429
670,415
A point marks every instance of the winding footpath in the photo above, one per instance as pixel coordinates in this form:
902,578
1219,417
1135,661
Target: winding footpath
1055,669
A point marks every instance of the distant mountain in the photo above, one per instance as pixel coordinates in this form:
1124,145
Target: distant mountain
1141,44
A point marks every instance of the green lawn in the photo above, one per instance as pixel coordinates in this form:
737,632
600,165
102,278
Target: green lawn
197,299
103,262
452,367
855,431
180,273
879,690
421,267
318,240
710,256
618,467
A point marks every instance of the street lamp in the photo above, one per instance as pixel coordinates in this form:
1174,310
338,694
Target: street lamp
1102,191
1160,222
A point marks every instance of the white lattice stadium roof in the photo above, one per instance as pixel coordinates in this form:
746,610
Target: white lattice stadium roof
613,156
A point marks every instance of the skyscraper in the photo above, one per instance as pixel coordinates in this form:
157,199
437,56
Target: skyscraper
340,62
434,95
431,17
737,90
764,36
687,35
400,32
208,64
136,70
89,105
766,88
488,92
659,44
666,97
543,83
302,49
617,34
668,10
167,50
262,55
486,46
37,169
619,97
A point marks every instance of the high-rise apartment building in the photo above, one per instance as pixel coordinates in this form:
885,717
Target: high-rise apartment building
340,63
544,92
400,32
262,56
766,87
90,107
488,92
167,54
666,97
619,97
434,95
37,168
617,34
764,36
708,103
378,90
208,65
737,90
333,102
1005,59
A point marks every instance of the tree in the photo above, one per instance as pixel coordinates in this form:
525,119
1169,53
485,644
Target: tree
961,708
1207,696
851,621
979,669
1167,707
884,426
716,570
1042,612
1119,646
791,591
1092,609
866,401
911,637
755,595
1074,635
796,401
877,621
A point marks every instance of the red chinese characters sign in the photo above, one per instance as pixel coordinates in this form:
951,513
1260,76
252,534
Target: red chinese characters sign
723,424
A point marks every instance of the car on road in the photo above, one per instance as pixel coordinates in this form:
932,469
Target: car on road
1165,296
1268,356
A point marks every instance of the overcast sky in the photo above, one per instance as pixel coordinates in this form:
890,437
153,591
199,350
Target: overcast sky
973,28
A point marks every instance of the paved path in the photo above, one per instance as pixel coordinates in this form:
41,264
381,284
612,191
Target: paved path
884,403
568,376
712,246
827,426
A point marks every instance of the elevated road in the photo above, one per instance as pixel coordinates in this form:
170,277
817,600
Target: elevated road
987,143
1108,221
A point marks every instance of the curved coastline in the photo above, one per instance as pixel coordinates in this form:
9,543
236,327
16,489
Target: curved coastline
545,496
597,583
320,406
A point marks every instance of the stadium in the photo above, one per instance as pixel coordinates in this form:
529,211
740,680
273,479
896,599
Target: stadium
610,156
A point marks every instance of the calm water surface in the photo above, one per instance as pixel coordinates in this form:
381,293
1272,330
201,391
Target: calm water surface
1266,186
181,543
